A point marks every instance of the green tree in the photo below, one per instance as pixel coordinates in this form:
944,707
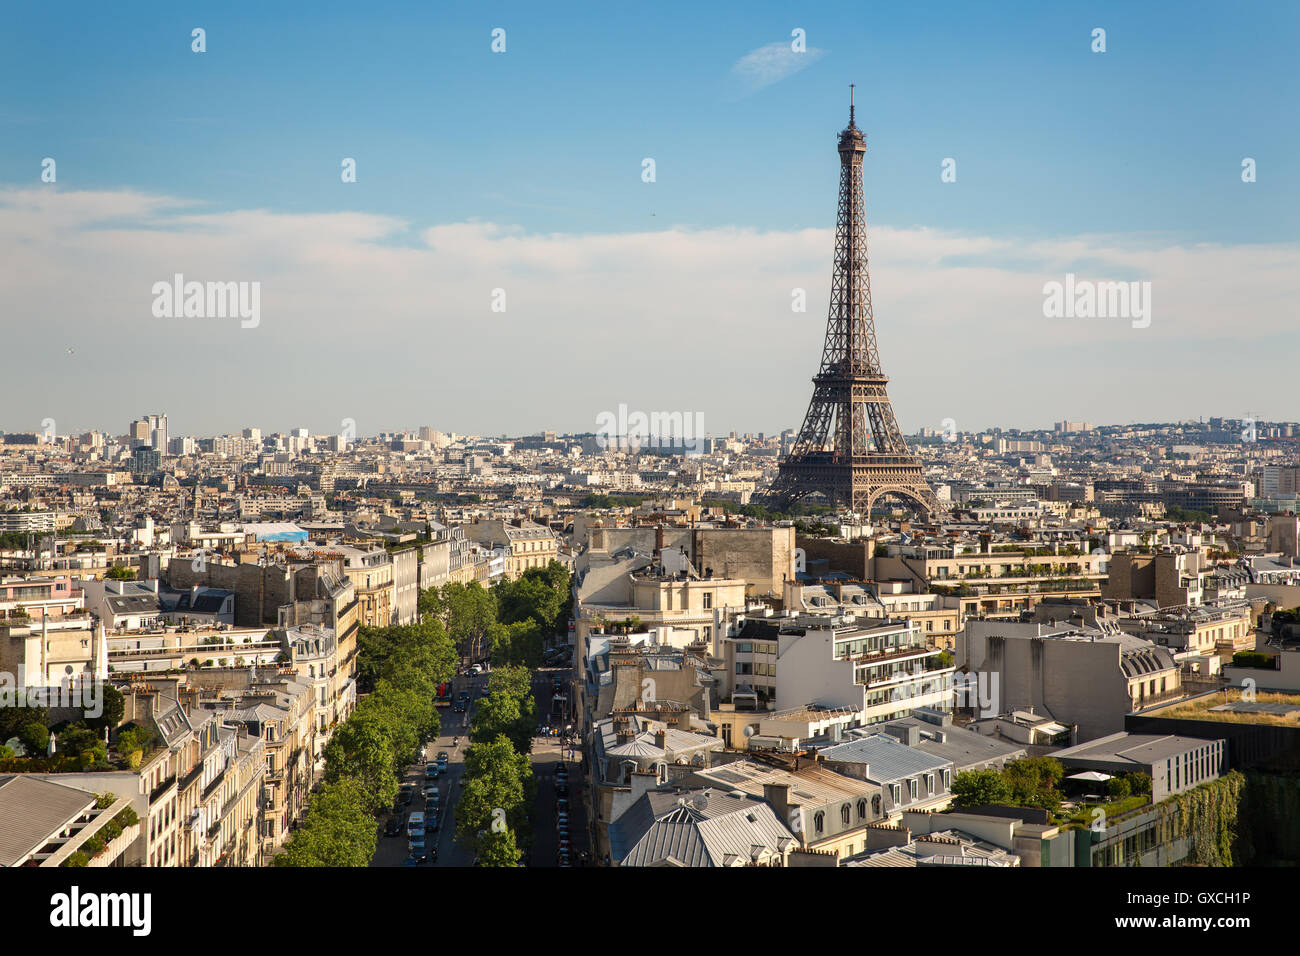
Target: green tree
114,708
361,752
14,719
515,681
500,714
338,829
497,848
497,777
77,740
972,788
1119,787
35,737
120,572
1138,783
467,611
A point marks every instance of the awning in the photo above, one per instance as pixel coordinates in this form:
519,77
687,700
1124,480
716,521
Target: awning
1090,776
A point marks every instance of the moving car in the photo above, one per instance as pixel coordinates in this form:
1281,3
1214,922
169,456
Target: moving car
415,825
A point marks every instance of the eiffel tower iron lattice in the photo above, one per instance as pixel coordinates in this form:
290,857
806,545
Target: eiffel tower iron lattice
850,448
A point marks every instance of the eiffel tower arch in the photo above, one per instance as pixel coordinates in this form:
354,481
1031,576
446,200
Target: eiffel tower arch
850,449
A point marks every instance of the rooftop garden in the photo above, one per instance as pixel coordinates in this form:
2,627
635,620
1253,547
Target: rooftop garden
1040,782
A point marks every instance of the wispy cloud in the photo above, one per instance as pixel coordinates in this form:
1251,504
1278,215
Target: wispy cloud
767,65
347,314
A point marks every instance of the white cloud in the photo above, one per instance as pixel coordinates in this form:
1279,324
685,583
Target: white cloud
769,64
356,325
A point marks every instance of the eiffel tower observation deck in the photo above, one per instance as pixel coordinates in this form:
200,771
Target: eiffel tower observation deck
850,450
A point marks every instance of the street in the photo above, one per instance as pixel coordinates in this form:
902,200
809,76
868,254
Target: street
391,851
546,755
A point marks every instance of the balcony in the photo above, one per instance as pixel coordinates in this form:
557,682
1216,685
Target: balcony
881,657
162,788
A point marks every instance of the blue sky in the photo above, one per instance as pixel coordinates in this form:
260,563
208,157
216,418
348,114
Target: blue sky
1141,144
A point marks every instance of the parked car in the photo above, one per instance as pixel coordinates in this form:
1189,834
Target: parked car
394,825
410,861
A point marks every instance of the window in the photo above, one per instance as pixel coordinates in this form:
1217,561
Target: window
911,789
708,600
819,821
896,792
844,814
862,809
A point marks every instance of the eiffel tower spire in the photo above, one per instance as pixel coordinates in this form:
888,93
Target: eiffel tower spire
850,448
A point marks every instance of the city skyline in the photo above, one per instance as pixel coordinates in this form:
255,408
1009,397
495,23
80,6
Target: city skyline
1228,421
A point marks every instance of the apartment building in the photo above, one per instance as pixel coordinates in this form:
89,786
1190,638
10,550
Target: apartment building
526,544
1075,674
610,588
47,820
908,778
879,669
1175,764
701,827
824,810
1170,578
1222,627
279,709
938,617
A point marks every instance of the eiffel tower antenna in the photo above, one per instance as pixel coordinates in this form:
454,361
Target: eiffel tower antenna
850,449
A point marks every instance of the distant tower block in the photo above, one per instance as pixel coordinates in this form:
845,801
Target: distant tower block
850,449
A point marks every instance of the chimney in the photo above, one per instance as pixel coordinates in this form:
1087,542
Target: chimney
660,738
643,780
778,795
659,539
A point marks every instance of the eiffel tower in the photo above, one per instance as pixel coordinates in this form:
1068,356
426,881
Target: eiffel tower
850,448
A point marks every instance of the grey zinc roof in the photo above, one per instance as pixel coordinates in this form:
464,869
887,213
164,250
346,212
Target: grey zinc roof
31,810
961,747
887,759
697,828
968,852
1138,749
